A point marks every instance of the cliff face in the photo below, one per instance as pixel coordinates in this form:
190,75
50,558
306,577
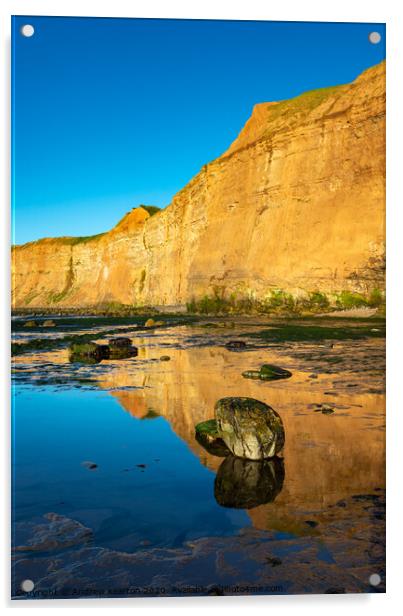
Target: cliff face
296,203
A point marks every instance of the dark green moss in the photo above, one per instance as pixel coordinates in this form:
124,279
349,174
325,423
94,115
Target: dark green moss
279,302
302,332
207,427
269,372
207,436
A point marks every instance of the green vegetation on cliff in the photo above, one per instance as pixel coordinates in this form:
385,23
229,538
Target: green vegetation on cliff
283,303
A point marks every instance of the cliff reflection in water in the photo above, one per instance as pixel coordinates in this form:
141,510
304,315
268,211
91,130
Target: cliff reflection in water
245,484
326,458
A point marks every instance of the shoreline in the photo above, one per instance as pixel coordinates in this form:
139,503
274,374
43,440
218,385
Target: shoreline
354,313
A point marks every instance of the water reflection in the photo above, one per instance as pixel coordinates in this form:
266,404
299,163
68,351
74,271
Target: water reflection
215,448
244,484
346,449
153,482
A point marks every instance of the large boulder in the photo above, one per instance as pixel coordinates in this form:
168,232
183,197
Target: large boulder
251,429
243,484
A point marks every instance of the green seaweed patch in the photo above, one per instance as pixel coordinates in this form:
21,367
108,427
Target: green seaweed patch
207,427
306,333
208,436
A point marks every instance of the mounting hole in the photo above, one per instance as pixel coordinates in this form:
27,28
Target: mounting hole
374,579
27,30
27,585
374,38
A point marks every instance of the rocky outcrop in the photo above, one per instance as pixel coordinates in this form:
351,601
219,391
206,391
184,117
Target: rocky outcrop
296,203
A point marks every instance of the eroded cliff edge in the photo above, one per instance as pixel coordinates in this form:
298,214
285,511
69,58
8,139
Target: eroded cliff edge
296,203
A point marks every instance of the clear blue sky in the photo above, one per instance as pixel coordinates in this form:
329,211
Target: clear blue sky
111,113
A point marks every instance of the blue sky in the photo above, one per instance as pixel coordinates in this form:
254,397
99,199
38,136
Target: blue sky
112,113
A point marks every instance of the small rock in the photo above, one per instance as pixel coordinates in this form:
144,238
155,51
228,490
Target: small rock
251,429
123,352
273,561
269,372
30,324
251,374
103,351
120,343
88,350
326,409
235,345
165,358
49,323
90,465
149,323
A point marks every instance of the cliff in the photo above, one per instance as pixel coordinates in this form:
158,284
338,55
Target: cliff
295,203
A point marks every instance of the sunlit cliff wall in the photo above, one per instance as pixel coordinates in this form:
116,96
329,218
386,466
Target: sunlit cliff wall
296,203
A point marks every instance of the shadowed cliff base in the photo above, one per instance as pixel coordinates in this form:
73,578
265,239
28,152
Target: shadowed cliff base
290,217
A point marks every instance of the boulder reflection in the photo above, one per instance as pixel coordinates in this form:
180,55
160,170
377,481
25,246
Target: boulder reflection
244,484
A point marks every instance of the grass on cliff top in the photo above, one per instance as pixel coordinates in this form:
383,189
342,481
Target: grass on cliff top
304,103
151,209
84,239
63,241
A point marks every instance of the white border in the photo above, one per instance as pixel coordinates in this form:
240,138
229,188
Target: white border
388,11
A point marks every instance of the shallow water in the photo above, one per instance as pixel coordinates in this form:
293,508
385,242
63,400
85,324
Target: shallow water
154,487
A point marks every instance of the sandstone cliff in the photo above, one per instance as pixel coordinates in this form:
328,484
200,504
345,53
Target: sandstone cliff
296,203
